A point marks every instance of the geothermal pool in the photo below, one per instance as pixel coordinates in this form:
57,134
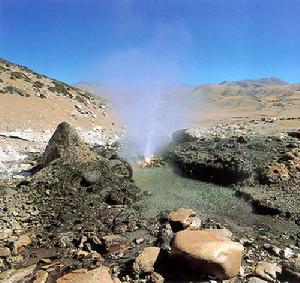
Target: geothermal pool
170,191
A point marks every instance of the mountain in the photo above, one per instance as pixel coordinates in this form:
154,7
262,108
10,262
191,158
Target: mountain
250,98
32,100
230,100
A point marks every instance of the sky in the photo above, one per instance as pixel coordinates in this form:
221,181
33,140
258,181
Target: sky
190,41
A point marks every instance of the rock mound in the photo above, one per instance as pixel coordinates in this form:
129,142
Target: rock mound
66,143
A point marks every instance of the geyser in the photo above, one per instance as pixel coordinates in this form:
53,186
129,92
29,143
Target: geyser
142,83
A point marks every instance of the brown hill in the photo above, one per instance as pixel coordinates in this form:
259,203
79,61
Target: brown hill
227,101
250,98
29,99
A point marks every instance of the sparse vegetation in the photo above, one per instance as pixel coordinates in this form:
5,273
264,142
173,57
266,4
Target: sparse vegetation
59,88
12,89
16,75
38,84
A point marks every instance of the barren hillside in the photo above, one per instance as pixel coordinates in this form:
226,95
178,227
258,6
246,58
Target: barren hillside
250,98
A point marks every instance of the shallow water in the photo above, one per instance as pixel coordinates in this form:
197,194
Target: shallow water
170,191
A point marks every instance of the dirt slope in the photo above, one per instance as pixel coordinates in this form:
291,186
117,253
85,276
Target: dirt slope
28,99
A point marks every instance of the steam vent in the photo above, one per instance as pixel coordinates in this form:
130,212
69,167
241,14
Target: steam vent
151,162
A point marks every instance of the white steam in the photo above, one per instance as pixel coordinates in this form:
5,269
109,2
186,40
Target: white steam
143,85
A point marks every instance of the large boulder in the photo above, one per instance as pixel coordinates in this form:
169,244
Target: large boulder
186,135
207,252
97,275
65,143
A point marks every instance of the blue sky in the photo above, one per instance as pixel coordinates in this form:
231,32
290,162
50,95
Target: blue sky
190,41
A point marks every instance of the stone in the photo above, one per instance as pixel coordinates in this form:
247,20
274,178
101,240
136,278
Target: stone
186,135
157,278
17,275
144,263
115,244
207,252
267,271
6,233
255,280
100,274
91,177
291,270
66,143
286,253
184,218
41,276
23,241
4,252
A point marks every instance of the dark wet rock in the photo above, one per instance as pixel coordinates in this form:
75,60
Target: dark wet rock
165,236
232,160
294,134
291,270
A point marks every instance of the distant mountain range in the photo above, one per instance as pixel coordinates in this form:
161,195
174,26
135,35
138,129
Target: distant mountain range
261,97
245,98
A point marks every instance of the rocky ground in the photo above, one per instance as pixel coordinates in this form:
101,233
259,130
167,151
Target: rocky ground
75,220
263,168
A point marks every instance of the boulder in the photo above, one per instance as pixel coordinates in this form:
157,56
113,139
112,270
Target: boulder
186,135
267,271
144,263
65,143
23,241
4,252
97,275
184,218
207,252
41,276
291,270
17,275
5,233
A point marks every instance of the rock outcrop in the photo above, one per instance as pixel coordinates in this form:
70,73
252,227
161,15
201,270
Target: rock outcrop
208,252
66,144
